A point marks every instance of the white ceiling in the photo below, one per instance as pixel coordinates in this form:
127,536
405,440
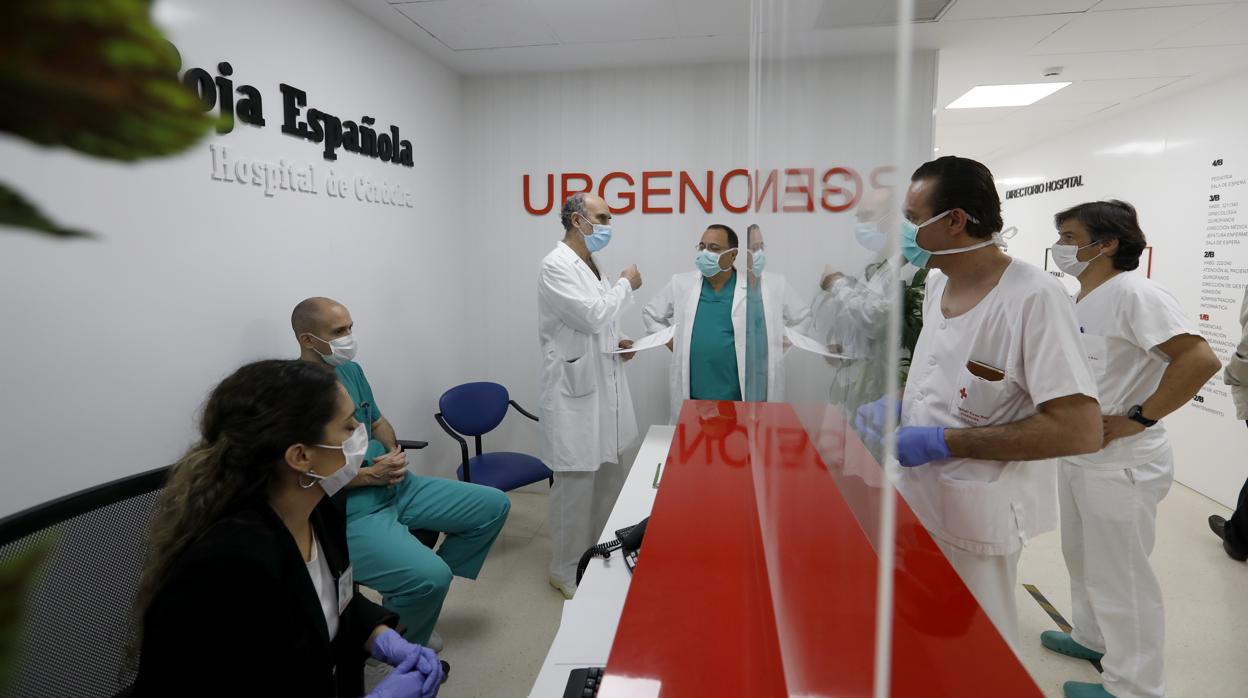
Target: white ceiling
1119,54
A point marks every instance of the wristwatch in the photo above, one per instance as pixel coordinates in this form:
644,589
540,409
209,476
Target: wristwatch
1135,415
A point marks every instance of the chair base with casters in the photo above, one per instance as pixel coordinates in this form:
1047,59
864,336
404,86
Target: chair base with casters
474,409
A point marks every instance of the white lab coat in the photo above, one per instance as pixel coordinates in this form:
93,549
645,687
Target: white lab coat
1109,498
676,305
853,315
1236,374
585,407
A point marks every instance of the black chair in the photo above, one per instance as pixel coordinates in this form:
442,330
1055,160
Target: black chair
77,627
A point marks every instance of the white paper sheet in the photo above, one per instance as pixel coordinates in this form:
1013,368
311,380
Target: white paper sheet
650,341
805,343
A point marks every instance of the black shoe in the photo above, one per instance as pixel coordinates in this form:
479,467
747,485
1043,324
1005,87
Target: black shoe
446,671
1217,524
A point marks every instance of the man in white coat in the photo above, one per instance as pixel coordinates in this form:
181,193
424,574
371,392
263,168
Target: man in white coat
710,310
998,381
585,408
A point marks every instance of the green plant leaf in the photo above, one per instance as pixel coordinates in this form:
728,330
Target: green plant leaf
16,211
97,77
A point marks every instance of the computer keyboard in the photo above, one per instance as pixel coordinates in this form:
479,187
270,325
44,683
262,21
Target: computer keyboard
583,683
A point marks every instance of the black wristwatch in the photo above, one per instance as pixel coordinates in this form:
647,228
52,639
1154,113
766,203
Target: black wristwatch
1135,415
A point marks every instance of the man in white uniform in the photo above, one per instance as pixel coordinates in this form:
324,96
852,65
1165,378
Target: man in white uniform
586,410
998,379
1148,362
710,310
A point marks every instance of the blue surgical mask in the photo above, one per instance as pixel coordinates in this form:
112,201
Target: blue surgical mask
599,238
758,260
708,262
919,257
870,236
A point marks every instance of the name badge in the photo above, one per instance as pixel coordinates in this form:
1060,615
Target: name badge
346,589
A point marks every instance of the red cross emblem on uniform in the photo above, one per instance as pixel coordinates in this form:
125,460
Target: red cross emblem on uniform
962,392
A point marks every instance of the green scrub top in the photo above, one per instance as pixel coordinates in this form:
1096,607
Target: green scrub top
713,348
755,346
361,500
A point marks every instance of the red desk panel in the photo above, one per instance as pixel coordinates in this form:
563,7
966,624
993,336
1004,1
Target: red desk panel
758,574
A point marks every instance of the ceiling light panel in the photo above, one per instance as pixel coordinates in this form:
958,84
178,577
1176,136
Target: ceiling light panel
988,96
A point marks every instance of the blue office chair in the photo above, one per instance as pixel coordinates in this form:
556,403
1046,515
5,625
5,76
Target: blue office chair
473,409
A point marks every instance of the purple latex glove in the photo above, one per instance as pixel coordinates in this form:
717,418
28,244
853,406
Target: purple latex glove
870,418
920,445
391,648
410,680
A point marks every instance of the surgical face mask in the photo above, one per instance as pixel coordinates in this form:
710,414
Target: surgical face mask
870,236
1066,258
599,238
708,262
354,449
758,260
341,350
919,257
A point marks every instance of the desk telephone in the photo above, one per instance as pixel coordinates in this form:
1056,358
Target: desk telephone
628,539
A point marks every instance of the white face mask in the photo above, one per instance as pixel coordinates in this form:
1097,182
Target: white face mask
341,350
354,449
1066,258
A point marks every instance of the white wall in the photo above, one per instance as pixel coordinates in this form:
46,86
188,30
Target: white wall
110,345
1160,159
816,114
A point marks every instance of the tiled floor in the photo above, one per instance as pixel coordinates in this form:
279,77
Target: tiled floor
498,628
1206,596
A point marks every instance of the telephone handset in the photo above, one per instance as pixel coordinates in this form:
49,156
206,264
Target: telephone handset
629,539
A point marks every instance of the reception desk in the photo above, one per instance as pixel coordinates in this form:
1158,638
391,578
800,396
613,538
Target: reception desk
758,575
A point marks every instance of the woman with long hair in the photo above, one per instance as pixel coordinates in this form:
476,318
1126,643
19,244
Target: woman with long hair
247,589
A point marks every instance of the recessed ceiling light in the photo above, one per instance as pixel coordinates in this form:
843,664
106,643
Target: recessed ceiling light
984,96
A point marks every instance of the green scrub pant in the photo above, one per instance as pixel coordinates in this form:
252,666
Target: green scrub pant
412,579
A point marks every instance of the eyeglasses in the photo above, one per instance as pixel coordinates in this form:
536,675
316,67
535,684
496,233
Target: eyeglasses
714,248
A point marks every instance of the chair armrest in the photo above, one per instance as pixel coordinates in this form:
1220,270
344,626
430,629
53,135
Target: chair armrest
522,411
463,445
414,445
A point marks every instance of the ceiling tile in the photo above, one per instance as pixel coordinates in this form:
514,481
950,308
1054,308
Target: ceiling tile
1123,31
477,24
570,21
986,9
713,17
1111,5
1226,28
1104,92
975,116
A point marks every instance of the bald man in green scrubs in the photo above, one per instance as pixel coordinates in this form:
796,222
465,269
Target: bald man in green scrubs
385,500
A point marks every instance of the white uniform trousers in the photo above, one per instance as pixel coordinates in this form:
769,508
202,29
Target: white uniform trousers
991,579
1109,524
580,503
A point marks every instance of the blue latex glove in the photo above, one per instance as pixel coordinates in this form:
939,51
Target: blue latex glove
410,680
920,445
391,648
870,418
